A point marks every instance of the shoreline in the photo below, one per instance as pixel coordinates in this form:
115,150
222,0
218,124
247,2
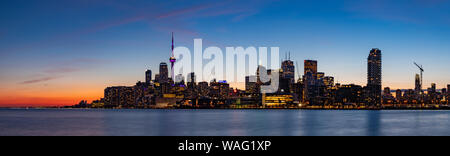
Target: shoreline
331,109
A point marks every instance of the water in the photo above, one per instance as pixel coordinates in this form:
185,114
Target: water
223,122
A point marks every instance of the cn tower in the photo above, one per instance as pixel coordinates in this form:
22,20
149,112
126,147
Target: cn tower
172,61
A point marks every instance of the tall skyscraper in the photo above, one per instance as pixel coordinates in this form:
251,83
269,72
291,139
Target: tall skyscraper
148,76
433,87
311,67
191,79
418,88
448,88
309,80
288,71
172,60
398,94
163,73
374,77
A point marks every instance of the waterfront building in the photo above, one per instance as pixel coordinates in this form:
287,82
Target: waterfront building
374,76
277,100
350,94
119,96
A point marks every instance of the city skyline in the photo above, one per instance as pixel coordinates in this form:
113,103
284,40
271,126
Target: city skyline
271,89
64,61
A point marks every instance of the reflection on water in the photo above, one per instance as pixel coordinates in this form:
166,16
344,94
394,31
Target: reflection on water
223,122
373,121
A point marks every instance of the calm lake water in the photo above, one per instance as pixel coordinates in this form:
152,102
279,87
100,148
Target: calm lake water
223,122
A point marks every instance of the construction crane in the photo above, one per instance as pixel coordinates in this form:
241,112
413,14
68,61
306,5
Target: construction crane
421,73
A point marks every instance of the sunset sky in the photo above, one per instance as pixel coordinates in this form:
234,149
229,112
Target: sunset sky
55,52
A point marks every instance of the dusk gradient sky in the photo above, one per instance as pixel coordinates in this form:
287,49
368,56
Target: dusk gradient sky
55,52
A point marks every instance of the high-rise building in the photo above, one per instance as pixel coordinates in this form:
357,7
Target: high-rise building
374,75
288,71
148,76
320,79
163,73
328,81
203,88
309,80
448,88
418,88
191,79
251,84
398,94
311,67
433,87
387,91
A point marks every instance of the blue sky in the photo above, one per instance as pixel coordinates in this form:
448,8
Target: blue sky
65,49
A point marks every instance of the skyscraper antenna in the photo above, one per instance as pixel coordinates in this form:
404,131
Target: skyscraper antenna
172,46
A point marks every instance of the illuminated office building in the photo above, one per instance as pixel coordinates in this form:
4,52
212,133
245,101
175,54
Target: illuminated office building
418,87
328,81
119,96
288,71
374,76
163,73
251,85
311,67
148,76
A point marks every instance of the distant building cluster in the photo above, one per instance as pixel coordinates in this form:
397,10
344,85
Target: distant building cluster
313,89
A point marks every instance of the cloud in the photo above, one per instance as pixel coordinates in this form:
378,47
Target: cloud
44,79
60,69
